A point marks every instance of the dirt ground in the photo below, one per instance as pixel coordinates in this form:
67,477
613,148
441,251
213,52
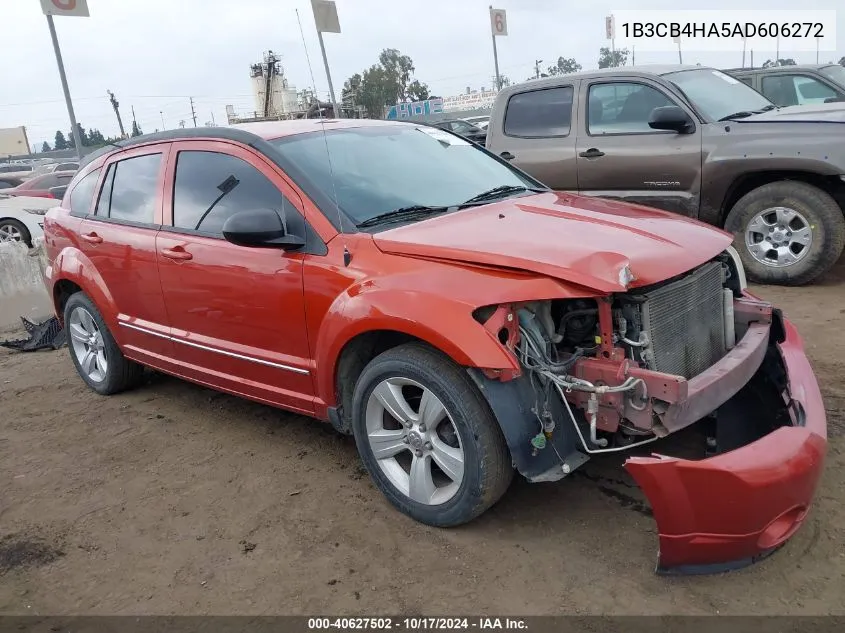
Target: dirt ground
173,499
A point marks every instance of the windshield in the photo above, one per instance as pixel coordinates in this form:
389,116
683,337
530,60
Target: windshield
715,94
835,72
375,170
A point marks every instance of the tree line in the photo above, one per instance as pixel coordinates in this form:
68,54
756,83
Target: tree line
89,138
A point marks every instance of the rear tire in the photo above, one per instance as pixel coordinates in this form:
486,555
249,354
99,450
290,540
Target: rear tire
759,220
95,354
12,230
448,423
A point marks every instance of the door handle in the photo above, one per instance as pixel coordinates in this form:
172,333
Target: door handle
507,155
178,253
591,153
92,238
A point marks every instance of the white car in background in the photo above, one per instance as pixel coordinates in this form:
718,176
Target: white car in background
480,122
22,218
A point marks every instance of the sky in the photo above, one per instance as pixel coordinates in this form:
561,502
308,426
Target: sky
154,55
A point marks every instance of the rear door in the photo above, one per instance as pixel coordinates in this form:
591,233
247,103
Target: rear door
237,313
119,240
537,134
620,156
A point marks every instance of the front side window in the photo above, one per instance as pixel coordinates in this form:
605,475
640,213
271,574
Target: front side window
787,90
622,107
83,193
369,171
210,187
130,189
716,94
540,113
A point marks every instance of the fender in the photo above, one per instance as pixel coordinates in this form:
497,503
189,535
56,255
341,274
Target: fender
71,264
422,314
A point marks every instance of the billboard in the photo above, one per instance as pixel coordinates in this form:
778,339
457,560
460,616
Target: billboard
13,141
417,108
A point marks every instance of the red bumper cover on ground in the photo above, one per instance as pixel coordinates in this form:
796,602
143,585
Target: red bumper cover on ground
729,510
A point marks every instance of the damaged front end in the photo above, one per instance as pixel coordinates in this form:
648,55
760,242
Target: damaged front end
615,373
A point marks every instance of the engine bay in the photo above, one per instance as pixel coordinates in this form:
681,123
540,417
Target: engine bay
623,365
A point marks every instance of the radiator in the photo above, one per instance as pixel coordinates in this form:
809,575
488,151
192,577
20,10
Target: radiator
685,322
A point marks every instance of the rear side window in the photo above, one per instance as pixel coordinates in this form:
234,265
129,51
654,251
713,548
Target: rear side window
83,194
540,113
211,186
130,188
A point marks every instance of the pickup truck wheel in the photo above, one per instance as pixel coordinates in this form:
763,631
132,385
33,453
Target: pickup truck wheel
787,232
428,438
94,352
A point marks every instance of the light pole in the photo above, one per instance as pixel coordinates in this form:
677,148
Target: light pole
74,8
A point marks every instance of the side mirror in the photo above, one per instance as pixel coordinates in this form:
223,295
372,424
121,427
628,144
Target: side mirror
671,118
58,192
260,227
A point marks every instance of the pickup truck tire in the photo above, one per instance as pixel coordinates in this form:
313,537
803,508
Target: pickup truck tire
813,205
421,385
98,361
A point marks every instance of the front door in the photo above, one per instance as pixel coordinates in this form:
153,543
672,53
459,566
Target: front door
620,156
237,314
119,240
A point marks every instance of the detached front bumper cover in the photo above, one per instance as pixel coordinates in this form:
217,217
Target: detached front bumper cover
730,510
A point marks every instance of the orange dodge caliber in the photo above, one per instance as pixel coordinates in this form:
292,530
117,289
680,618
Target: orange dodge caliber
462,321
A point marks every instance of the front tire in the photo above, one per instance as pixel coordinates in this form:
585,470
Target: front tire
428,438
12,230
787,232
95,354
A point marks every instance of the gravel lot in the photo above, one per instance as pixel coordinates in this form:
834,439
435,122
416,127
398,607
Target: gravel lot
173,499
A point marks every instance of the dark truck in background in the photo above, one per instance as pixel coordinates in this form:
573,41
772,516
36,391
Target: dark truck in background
695,141
807,84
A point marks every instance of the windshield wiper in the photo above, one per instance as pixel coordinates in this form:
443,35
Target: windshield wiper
413,212
742,114
738,115
499,192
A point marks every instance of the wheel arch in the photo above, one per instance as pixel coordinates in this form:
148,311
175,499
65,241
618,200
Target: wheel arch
359,328
73,272
748,182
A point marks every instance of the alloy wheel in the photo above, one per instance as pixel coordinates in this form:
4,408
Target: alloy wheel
415,441
87,344
9,233
778,237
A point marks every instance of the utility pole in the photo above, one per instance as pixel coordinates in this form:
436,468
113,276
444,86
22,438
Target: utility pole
193,113
163,127
74,128
537,63
134,122
633,55
116,106
212,118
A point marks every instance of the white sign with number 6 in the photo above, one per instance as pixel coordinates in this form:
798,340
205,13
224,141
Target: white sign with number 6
65,7
498,22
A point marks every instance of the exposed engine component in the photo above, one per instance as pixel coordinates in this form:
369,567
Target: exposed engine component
597,355
550,367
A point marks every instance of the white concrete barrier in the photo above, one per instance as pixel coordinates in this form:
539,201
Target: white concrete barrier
22,291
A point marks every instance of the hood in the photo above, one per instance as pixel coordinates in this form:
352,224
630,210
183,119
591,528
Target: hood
587,241
819,113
